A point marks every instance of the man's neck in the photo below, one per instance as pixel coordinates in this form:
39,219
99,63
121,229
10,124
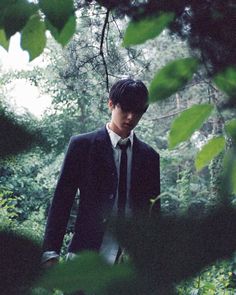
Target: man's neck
117,131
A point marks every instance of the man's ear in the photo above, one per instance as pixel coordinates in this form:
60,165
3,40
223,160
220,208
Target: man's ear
110,104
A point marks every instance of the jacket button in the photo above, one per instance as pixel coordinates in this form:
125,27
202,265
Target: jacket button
104,220
111,196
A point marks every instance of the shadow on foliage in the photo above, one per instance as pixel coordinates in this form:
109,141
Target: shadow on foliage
20,263
18,135
170,249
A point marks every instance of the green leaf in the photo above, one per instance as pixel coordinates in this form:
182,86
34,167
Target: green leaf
57,12
172,78
16,16
87,272
140,31
230,170
188,122
64,36
33,37
3,40
226,81
230,128
209,152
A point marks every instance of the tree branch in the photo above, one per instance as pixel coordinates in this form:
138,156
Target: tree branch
169,115
101,48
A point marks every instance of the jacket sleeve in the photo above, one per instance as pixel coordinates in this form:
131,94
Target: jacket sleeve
156,202
63,198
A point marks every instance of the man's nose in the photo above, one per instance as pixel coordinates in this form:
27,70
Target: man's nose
130,115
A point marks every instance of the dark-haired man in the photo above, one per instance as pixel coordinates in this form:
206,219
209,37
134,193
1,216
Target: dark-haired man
113,170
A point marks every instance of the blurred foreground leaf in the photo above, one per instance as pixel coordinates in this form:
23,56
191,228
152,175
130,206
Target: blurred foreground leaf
33,37
172,78
17,136
188,122
140,31
57,12
226,81
230,170
170,249
63,36
3,40
209,151
16,16
230,128
87,272
20,263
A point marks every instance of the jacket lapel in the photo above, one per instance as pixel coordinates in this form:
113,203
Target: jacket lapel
104,148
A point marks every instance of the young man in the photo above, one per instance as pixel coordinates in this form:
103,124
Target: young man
113,170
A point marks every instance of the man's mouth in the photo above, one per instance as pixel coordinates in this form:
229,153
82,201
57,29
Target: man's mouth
128,125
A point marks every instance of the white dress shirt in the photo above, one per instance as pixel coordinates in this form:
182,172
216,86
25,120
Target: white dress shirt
109,247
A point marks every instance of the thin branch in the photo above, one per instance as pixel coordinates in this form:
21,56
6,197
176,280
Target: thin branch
101,48
88,60
118,29
169,115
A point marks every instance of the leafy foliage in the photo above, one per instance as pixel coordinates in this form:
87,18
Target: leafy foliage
27,18
15,135
79,273
33,37
140,31
209,151
188,122
172,78
226,81
15,15
230,127
3,40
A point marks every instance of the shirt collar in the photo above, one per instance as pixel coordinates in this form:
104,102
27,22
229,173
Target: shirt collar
115,137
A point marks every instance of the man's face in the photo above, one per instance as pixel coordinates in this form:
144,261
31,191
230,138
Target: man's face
123,121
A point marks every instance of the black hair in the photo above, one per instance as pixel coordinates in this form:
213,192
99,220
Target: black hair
131,95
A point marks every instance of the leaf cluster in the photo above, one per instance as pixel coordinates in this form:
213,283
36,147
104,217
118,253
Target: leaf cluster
33,19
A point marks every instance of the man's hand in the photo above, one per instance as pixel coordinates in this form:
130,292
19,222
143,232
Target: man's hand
49,263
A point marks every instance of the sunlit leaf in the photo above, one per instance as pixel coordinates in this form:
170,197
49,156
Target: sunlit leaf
172,78
230,170
230,128
138,32
88,272
226,81
16,16
66,33
188,122
3,40
33,37
209,151
57,12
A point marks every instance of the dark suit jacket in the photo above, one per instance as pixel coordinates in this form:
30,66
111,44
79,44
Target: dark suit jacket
89,166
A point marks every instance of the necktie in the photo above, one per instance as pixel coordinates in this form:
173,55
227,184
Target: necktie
122,188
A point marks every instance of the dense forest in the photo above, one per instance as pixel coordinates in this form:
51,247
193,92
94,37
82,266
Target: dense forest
185,54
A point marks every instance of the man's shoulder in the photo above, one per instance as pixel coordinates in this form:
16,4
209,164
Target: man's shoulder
88,137
146,147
